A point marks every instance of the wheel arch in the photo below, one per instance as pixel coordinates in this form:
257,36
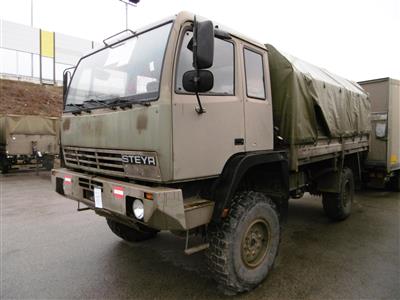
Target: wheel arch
327,177
244,167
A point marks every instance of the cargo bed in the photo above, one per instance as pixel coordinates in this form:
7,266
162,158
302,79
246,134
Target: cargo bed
27,140
327,148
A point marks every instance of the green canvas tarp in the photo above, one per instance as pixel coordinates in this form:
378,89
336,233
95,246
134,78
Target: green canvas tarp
311,103
27,125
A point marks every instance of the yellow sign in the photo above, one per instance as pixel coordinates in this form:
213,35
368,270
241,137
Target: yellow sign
47,43
393,159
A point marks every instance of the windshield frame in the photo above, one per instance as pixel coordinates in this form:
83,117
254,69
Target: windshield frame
136,33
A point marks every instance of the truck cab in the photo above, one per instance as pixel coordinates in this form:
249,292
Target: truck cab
128,117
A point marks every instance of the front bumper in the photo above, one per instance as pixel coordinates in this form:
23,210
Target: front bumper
166,211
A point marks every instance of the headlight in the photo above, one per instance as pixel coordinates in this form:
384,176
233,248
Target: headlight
138,209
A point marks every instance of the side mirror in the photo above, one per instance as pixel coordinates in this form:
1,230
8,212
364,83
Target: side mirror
65,85
198,81
203,44
66,78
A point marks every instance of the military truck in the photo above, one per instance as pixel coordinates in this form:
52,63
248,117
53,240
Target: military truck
193,128
383,164
30,141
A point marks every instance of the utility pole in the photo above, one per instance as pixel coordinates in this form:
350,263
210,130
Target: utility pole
127,3
126,15
31,13
32,27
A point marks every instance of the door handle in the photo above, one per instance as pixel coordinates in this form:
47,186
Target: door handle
239,141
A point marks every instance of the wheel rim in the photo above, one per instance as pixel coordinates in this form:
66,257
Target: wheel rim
255,243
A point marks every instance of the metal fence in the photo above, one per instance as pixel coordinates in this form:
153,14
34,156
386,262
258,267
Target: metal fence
37,55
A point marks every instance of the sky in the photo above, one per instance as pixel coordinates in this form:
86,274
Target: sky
357,39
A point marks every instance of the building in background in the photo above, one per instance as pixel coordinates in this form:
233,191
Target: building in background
33,54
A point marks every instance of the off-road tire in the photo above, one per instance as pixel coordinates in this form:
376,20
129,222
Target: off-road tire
4,169
226,256
4,166
48,163
337,206
130,234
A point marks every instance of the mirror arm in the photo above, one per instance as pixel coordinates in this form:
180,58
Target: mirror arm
200,110
223,35
66,75
194,43
65,85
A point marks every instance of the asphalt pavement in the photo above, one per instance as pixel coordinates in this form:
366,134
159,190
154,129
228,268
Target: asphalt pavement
51,251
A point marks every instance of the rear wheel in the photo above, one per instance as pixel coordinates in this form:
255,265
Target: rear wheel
395,182
244,246
131,234
337,206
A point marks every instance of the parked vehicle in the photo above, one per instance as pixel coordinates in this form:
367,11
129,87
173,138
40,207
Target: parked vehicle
188,127
28,140
383,163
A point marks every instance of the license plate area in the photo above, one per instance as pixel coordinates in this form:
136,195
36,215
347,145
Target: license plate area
98,198
88,186
88,195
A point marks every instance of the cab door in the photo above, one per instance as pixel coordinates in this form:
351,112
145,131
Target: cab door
257,98
203,143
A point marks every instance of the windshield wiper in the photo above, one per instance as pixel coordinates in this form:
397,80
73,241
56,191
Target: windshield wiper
118,101
127,102
78,107
113,103
99,102
74,104
84,106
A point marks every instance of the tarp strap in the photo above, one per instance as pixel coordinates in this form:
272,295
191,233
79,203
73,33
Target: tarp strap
342,160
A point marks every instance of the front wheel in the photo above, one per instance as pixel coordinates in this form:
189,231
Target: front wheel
244,246
131,234
4,165
48,163
337,206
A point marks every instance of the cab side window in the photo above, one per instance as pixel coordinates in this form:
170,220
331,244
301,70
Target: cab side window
222,69
254,70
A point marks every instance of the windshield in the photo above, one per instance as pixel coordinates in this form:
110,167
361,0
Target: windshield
128,71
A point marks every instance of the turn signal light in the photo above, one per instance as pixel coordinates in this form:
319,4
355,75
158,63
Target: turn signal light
225,213
148,196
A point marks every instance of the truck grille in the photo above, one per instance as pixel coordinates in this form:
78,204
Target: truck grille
109,162
90,184
95,160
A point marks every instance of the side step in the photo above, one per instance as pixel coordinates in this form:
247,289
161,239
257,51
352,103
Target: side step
197,212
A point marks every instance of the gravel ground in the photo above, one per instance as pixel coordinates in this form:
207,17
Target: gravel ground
50,251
